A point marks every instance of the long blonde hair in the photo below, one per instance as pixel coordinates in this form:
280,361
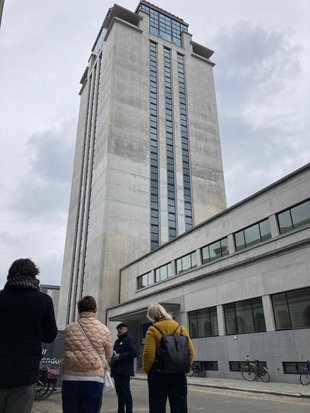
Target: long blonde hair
156,312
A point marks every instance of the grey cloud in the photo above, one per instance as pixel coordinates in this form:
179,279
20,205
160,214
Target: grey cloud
247,44
44,188
255,157
253,62
52,154
256,70
50,268
43,244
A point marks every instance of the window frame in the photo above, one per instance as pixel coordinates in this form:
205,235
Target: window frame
289,212
288,306
180,259
237,329
195,313
140,278
259,240
158,271
204,261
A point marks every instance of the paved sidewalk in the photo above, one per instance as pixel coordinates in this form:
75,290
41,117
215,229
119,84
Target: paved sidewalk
283,389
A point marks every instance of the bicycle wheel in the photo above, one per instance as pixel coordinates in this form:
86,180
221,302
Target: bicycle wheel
41,389
44,390
249,374
265,376
190,373
305,377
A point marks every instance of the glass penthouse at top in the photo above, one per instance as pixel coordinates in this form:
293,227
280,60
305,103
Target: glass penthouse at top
163,24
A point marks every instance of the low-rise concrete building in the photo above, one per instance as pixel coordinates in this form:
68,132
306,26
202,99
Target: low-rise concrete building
239,281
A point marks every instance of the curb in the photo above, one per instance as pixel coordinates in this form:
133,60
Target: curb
236,388
249,390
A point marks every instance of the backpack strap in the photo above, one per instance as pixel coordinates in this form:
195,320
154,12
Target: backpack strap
158,329
176,329
172,333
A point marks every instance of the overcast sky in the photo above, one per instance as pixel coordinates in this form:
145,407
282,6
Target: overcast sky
262,56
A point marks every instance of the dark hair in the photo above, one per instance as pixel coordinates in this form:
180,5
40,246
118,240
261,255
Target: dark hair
23,266
87,303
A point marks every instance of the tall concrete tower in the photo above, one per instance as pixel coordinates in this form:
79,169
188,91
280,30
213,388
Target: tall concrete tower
148,161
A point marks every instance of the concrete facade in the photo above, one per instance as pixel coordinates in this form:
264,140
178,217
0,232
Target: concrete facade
275,265
1,9
109,215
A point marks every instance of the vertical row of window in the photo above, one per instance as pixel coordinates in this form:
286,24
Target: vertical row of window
79,266
164,26
172,226
99,43
93,145
185,147
154,147
82,224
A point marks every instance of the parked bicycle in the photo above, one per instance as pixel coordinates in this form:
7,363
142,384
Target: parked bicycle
305,374
46,383
197,369
253,370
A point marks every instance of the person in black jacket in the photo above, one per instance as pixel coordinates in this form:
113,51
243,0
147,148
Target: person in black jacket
26,319
125,350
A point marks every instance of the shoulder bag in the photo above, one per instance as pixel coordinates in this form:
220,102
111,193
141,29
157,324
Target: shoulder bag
108,382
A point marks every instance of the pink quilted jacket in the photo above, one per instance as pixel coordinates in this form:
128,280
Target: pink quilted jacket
79,357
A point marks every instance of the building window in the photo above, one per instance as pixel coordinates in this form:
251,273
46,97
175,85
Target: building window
163,272
172,214
203,323
252,235
164,26
293,367
292,309
154,180
99,43
294,217
215,250
241,365
245,316
211,365
144,280
188,213
235,366
187,262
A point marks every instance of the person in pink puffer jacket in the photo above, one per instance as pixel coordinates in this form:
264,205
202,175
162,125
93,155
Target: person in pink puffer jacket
88,346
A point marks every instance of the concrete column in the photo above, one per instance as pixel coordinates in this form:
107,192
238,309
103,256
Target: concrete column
173,269
274,226
152,277
268,312
221,320
231,244
198,257
144,23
